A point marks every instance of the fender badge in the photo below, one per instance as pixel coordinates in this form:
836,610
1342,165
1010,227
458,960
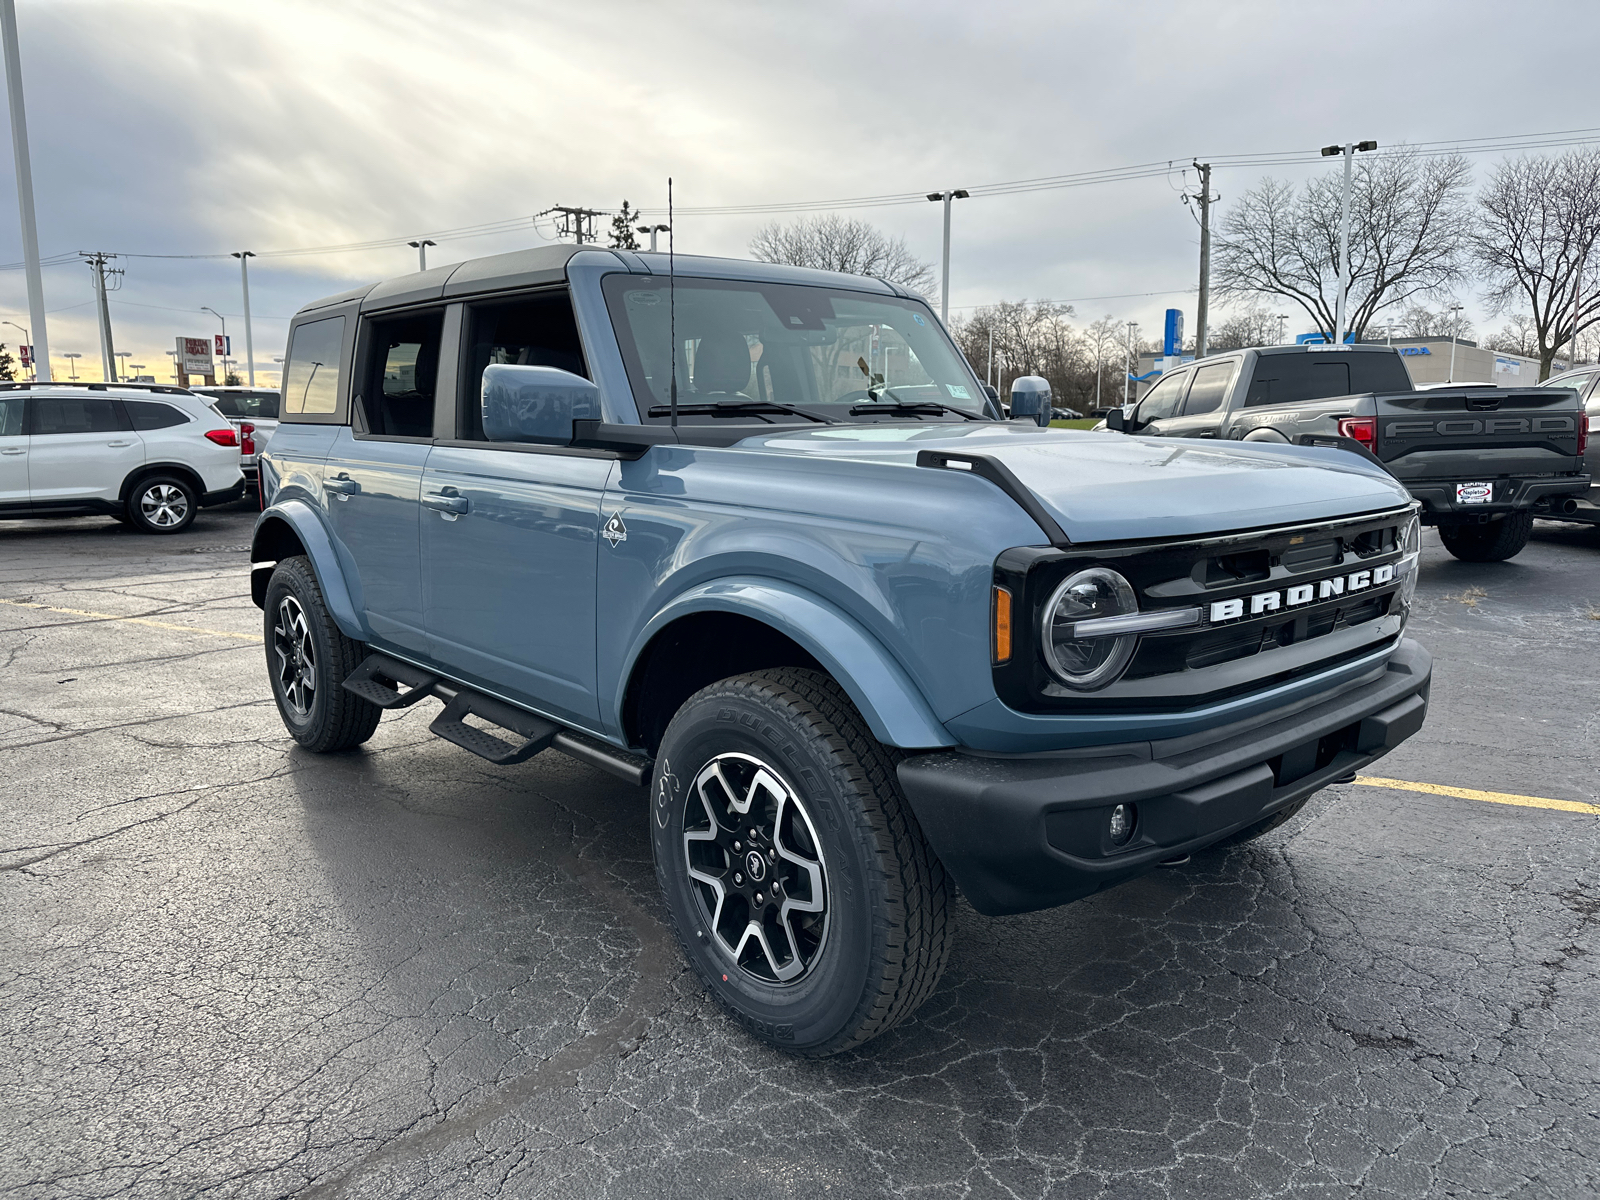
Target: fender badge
615,531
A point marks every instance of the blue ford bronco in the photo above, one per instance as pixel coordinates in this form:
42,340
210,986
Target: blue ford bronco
754,537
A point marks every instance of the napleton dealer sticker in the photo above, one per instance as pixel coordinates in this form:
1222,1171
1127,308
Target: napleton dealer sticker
1474,493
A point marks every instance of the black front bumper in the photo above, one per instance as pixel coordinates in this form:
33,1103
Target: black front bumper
1021,832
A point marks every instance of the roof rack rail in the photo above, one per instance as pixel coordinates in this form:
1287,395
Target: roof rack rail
24,385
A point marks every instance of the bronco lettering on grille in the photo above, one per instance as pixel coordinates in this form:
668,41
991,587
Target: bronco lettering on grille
1304,593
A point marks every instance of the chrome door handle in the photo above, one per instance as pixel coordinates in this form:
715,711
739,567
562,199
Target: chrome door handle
13,450
447,501
119,443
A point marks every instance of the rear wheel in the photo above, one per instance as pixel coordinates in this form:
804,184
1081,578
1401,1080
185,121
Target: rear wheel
1494,542
162,504
796,877
308,659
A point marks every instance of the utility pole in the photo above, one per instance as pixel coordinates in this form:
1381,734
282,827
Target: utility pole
1127,380
19,148
1577,305
1455,332
575,223
421,248
1282,317
1206,200
944,287
1349,151
244,279
108,359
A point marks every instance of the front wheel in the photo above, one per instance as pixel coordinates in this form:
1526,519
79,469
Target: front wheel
308,659
1494,542
796,876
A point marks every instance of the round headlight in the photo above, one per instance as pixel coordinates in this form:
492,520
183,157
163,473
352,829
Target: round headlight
1075,651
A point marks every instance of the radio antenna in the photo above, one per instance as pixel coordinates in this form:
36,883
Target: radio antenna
672,306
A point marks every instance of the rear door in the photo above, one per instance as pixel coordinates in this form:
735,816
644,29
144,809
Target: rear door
13,454
80,449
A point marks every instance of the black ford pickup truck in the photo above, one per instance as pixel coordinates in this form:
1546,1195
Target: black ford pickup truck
1483,461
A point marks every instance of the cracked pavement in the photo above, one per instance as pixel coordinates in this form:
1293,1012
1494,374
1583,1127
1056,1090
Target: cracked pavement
232,969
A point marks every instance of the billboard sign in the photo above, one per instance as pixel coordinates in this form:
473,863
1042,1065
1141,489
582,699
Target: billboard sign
194,357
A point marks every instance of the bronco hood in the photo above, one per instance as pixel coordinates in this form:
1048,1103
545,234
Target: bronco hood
1112,487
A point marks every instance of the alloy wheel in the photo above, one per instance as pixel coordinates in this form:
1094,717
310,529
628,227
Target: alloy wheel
297,658
164,505
757,868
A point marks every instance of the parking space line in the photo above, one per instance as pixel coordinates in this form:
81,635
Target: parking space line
1439,789
99,616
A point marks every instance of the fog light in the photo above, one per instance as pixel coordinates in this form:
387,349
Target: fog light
1120,828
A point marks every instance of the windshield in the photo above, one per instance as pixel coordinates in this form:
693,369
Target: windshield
746,346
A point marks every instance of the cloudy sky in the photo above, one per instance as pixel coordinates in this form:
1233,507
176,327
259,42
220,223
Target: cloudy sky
197,127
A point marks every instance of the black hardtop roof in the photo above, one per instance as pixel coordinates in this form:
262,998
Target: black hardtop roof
548,264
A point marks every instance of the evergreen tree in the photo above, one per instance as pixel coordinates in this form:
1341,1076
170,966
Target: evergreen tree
622,229
8,365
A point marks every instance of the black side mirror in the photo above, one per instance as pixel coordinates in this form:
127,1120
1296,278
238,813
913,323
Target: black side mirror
1116,420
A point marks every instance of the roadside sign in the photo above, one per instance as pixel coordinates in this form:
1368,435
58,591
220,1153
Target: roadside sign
194,356
27,355
224,345
1172,342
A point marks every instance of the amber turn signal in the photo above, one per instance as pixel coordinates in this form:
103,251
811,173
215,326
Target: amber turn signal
1002,625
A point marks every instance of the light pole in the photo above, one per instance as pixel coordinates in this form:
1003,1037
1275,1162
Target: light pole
224,321
652,230
1455,330
421,248
19,148
135,367
1282,319
944,287
244,280
72,364
1127,380
27,340
1349,151
173,355
124,355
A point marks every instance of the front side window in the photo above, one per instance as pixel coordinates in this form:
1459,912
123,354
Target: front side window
1209,387
534,331
73,415
402,374
1163,399
822,349
311,376
151,414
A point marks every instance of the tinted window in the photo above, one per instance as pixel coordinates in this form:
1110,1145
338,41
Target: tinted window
402,359
72,415
538,331
1210,386
311,376
10,415
1163,398
1316,375
148,414
246,406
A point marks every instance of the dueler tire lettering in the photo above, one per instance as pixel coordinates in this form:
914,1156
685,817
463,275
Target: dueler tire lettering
796,877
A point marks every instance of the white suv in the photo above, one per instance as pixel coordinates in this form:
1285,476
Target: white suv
253,412
149,455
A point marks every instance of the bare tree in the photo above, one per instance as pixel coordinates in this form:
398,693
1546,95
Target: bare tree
1253,326
833,243
1420,321
1538,222
1516,336
1408,227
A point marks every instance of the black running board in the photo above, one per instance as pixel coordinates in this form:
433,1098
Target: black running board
379,678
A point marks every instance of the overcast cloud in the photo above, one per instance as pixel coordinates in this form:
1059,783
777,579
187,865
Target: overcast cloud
201,126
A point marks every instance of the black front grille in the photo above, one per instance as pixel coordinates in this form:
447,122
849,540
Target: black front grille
1199,573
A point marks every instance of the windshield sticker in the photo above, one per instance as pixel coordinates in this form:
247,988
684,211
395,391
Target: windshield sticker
958,391
644,297
918,316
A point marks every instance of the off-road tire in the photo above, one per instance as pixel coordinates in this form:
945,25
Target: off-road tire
890,905
149,517
1494,542
1266,825
334,719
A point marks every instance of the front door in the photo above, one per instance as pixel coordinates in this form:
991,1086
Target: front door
80,450
13,456
1159,408
510,532
1201,414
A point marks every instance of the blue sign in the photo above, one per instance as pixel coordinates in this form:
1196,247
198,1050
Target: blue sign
1303,339
1408,351
1172,342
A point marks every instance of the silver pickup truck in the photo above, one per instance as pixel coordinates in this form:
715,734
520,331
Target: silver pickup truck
1483,461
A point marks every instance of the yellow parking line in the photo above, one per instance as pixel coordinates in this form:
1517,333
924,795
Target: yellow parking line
98,616
1439,789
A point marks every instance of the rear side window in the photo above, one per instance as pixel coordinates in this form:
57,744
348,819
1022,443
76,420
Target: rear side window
72,415
149,414
311,376
1209,387
537,331
402,358
1291,378
11,415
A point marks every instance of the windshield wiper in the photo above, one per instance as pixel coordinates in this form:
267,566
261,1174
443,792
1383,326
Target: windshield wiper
756,407
910,407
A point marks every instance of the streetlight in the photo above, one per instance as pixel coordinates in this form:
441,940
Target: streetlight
224,321
652,230
944,290
173,355
244,279
1282,318
124,354
421,247
1127,374
1349,151
72,364
136,368
1455,331
27,340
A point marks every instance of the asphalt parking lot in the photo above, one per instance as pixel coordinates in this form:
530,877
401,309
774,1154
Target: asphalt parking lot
233,969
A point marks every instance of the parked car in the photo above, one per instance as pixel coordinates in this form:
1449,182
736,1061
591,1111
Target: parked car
251,411
1582,380
1483,461
147,454
862,642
